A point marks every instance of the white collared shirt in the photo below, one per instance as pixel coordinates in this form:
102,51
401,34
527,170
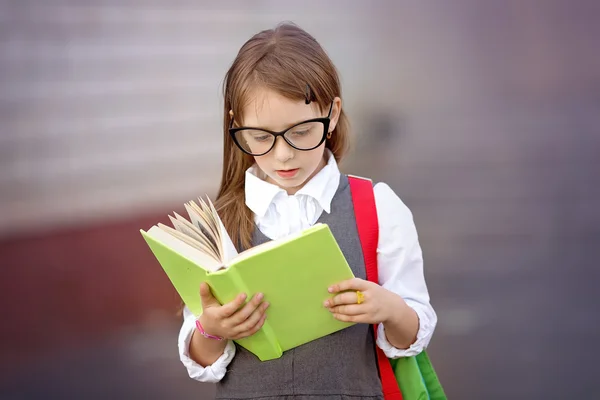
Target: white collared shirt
399,258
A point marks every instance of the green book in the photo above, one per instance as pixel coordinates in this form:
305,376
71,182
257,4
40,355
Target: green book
293,273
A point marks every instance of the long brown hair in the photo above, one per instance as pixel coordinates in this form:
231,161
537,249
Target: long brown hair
284,59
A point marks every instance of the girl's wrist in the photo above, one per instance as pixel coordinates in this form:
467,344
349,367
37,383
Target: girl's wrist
398,310
202,331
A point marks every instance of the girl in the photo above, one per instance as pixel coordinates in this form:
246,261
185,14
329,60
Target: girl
284,133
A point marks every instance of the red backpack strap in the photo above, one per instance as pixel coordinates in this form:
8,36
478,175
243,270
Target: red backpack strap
365,213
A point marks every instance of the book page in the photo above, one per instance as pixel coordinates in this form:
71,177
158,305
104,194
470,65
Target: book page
229,250
211,217
187,228
205,232
208,253
179,243
201,217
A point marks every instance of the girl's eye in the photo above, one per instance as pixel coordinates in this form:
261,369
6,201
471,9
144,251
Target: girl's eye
262,138
300,133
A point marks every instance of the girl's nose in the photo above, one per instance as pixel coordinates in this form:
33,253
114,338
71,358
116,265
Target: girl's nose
282,151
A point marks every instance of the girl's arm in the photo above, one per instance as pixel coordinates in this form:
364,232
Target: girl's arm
205,351
207,359
197,367
400,264
399,304
402,326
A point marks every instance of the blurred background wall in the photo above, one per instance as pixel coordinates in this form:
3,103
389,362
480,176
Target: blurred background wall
483,116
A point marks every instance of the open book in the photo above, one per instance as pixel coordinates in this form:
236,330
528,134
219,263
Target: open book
293,272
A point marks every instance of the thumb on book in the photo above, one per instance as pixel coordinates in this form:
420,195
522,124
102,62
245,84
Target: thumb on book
206,296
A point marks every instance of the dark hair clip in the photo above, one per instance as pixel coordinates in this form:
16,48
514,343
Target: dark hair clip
307,95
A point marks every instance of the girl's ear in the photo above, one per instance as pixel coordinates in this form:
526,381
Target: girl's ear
335,113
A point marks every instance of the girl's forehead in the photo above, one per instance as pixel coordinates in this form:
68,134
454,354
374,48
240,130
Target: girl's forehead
271,110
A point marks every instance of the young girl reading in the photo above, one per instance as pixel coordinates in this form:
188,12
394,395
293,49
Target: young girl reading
284,133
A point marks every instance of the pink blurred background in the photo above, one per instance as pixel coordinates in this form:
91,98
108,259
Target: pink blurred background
483,116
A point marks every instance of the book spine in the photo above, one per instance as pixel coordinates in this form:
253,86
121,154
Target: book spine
264,344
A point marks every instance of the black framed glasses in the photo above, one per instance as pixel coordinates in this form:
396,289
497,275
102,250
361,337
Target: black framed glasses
305,136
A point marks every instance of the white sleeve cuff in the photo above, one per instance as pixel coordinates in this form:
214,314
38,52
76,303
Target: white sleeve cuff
210,373
426,327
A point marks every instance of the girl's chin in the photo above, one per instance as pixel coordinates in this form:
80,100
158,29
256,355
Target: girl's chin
287,183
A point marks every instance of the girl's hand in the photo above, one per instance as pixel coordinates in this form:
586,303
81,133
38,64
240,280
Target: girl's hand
378,304
231,320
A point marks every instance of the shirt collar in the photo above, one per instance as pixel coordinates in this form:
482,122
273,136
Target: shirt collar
259,193
322,187
324,184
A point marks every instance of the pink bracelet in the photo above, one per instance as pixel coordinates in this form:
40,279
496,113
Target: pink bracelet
203,332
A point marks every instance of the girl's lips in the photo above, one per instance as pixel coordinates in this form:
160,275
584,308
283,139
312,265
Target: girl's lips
289,173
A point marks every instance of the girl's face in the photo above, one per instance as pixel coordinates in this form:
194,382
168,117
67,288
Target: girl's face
285,166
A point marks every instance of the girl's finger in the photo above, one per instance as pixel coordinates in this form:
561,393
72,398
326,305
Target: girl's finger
253,319
343,298
206,297
361,318
243,314
350,284
252,330
352,309
230,308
